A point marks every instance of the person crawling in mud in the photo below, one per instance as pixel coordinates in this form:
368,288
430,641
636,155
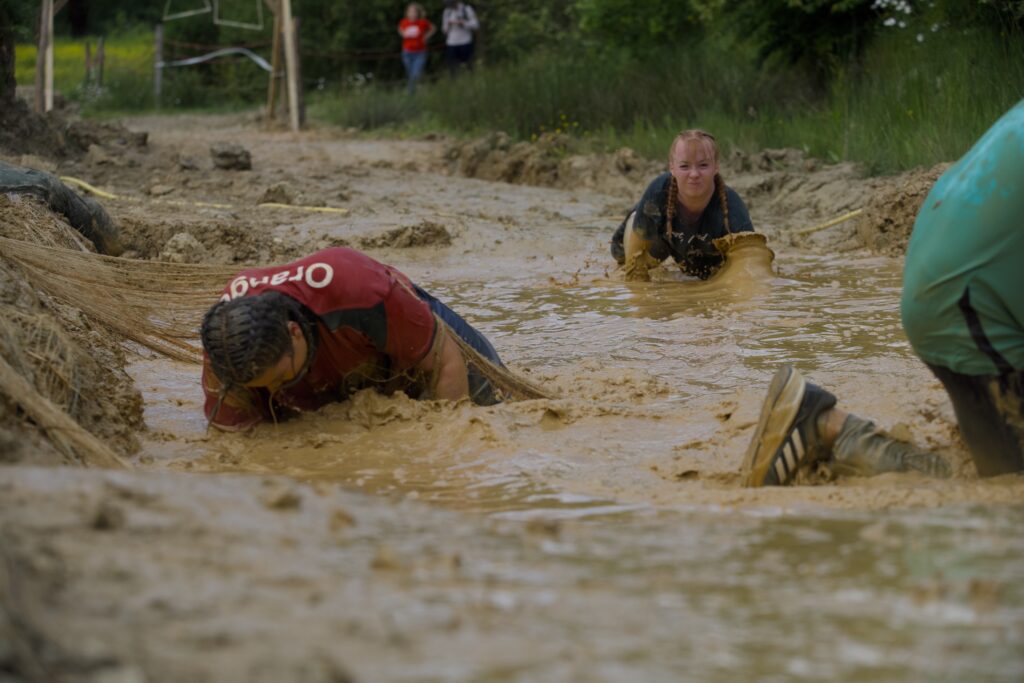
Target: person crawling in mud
681,213
963,312
292,338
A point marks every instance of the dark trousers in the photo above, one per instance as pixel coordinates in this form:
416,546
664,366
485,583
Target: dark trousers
990,411
457,56
480,389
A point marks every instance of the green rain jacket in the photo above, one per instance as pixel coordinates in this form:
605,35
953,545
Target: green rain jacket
963,282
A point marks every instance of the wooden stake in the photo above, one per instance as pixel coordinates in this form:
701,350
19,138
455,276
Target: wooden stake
49,57
158,64
101,57
291,59
297,23
275,67
40,99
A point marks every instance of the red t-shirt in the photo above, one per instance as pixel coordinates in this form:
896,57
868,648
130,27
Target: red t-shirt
369,321
414,34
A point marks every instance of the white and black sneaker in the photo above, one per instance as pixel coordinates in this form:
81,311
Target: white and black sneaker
787,437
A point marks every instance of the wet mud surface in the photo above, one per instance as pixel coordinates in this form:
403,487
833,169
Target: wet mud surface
600,535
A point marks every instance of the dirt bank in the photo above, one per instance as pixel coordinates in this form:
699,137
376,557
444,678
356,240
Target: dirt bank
888,217
66,357
551,161
784,189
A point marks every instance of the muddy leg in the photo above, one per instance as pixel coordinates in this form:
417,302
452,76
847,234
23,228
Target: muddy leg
862,449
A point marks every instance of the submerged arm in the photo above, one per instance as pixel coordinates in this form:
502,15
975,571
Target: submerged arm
446,366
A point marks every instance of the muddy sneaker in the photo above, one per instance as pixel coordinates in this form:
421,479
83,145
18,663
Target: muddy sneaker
787,431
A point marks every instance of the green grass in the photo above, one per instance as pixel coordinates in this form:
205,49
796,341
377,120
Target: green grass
131,53
369,108
128,77
906,104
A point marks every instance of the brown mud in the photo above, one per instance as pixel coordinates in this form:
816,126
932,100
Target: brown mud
888,218
599,535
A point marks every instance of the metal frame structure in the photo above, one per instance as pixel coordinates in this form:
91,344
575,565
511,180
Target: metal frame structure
168,16
238,24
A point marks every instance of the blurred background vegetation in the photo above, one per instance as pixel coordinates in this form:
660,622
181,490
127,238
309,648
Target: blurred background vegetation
891,84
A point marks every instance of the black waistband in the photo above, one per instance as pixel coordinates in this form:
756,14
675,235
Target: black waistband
981,339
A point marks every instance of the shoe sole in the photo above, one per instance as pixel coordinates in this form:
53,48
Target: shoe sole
781,406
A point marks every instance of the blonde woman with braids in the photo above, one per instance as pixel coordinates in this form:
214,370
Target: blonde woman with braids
681,213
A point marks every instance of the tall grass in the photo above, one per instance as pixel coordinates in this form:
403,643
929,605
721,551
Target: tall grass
919,103
907,103
367,108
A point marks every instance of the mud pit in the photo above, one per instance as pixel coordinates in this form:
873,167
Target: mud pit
598,536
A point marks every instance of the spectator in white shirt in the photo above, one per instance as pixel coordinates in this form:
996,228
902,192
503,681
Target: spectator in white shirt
458,23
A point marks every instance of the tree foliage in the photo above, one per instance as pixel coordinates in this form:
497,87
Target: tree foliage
342,36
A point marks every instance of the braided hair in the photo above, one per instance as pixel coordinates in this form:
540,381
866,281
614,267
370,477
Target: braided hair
673,188
244,337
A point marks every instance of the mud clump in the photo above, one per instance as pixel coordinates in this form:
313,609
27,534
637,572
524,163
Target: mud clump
182,248
230,156
782,159
279,193
889,216
220,241
53,135
425,234
554,160
23,131
81,135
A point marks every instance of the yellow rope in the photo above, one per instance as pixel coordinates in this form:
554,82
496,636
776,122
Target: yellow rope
180,202
828,224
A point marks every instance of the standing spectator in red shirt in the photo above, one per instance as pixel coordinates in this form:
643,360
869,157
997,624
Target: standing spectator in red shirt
415,31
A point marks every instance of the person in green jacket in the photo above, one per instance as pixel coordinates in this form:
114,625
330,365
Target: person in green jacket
963,311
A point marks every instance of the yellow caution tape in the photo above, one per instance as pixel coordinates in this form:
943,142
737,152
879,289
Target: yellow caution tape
88,188
828,224
320,209
181,202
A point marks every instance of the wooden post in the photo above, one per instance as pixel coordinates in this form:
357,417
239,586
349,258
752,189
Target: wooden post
49,57
297,22
101,56
88,62
40,83
275,68
158,64
291,59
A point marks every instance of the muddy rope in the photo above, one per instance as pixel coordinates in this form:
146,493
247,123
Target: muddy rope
91,189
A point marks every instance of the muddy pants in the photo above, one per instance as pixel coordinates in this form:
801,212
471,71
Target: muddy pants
480,390
990,411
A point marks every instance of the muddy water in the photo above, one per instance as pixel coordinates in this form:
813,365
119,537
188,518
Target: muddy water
675,568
